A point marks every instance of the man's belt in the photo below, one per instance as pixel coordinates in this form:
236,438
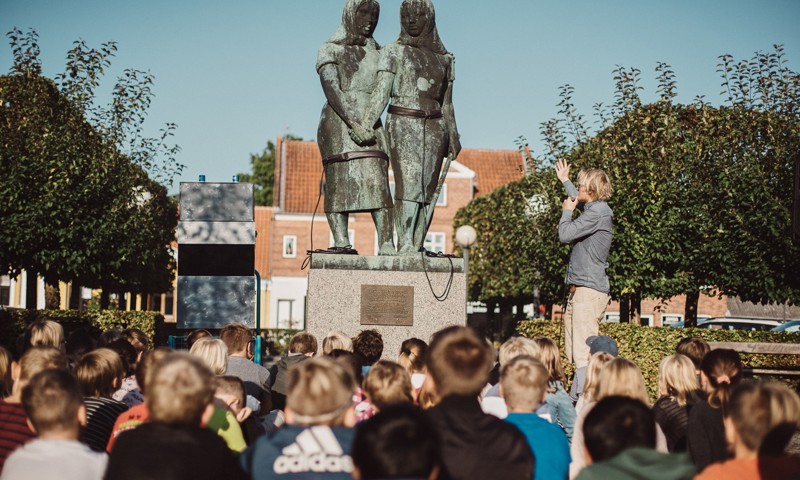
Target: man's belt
412,112
346,156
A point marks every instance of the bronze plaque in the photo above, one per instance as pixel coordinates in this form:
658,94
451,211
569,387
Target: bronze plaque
387,305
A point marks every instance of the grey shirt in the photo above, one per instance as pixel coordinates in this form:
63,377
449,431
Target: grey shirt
254,376
591,234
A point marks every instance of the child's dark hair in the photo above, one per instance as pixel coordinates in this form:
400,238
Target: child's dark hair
413,352
368,345
617,423
351,362
398,442
695,348
723,369
303,342
51,400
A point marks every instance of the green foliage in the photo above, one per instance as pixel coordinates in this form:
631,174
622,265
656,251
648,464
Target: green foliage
646,346
263,176
701,194
82,199
13,322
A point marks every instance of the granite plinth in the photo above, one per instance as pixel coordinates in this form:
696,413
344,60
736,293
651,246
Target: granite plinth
334,300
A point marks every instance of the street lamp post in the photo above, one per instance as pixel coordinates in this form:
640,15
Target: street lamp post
466,236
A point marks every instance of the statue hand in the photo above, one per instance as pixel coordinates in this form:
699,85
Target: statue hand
362,135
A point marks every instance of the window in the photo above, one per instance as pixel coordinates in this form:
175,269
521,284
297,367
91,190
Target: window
442,200
289,246
671,319
435,242
286,315
611,317
646,320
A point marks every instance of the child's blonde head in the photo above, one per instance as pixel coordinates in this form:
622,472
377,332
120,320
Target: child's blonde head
550,356
336,341
179,389
592,386
44,333
524,383
622,377
764,416
677,378
212,351
516,346
388,383
320,393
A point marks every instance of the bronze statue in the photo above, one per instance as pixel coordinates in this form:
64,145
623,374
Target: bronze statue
416,77
353,153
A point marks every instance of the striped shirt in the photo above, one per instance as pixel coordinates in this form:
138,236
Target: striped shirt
14,430
101,414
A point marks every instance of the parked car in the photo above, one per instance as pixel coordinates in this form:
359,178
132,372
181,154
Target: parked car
735,323
790,326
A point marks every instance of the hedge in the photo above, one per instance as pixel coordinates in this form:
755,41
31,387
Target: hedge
646,346
13,322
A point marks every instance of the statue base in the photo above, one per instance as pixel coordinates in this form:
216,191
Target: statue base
397,296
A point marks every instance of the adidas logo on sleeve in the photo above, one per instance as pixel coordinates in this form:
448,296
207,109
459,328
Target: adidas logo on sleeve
315,449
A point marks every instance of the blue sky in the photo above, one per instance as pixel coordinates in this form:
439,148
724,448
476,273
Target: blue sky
235,74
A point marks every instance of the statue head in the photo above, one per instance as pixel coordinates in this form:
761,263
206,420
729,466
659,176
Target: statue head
359,19
418,26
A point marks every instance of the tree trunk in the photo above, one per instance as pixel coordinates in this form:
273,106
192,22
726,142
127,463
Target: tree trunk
121,303
52,294
105,298
636,308
690,312
75,296
30,291
624,309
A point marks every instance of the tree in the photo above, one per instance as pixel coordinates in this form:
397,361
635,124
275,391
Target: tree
74,173
700,193
263,176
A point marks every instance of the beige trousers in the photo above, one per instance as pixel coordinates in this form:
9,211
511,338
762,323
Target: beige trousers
585,309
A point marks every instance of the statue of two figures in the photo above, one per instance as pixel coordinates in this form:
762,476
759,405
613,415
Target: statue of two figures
414,77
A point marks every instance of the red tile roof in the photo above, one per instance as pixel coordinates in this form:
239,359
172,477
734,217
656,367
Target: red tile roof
298,171
493,168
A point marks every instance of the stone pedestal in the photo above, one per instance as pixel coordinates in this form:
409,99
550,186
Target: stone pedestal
392,295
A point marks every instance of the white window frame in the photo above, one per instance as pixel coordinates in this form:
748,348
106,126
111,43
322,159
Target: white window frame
289,240
432,242
611,317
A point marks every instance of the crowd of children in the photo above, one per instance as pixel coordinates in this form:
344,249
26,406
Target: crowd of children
94,406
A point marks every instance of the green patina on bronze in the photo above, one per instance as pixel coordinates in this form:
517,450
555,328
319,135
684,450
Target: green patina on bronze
416,73
414,76
347,65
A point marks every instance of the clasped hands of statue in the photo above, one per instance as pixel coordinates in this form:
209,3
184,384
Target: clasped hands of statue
364,136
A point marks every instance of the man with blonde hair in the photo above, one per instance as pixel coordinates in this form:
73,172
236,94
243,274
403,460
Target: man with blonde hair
473,444
590,234
317,439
